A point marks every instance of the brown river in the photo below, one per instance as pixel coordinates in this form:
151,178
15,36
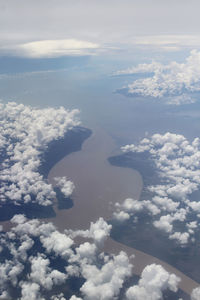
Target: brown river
98,186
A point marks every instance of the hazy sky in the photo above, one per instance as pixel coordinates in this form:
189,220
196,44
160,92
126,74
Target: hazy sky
103,22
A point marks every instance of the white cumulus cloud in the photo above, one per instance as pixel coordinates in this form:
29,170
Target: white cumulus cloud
98,231
154,280
66,186
195,294
174,81
25,133
52,258
176,160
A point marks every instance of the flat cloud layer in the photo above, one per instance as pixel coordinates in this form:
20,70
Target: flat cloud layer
51,48
24,135
36,258
175,82
177,163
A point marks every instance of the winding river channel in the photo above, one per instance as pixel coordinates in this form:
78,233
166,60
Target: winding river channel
98,186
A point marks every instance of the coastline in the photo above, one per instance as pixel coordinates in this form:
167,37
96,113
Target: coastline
143,236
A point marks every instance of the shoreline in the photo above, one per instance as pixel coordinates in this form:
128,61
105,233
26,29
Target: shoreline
71,142
65,218
97,185
84,211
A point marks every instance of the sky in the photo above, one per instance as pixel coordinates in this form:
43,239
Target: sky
99,24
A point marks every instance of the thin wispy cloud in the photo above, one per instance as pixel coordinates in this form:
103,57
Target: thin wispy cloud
173,42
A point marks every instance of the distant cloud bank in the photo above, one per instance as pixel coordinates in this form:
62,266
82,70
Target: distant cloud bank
174,83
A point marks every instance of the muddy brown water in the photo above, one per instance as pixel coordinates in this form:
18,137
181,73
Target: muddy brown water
98,186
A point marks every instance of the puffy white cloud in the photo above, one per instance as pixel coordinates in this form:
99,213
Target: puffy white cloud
51,239
57,242
105,283
164,223
66,186
121,216
195,294
30,291
86,251
25,133
58,297
9,271
141,68
154,280
98,231
131,205
19,219
41,245
42,274
75,298
176,160
181,237
20,243
166,203
191,226
175,81
126,209
104,275
26,244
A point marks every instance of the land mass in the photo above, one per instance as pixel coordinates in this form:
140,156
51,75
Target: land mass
98,187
